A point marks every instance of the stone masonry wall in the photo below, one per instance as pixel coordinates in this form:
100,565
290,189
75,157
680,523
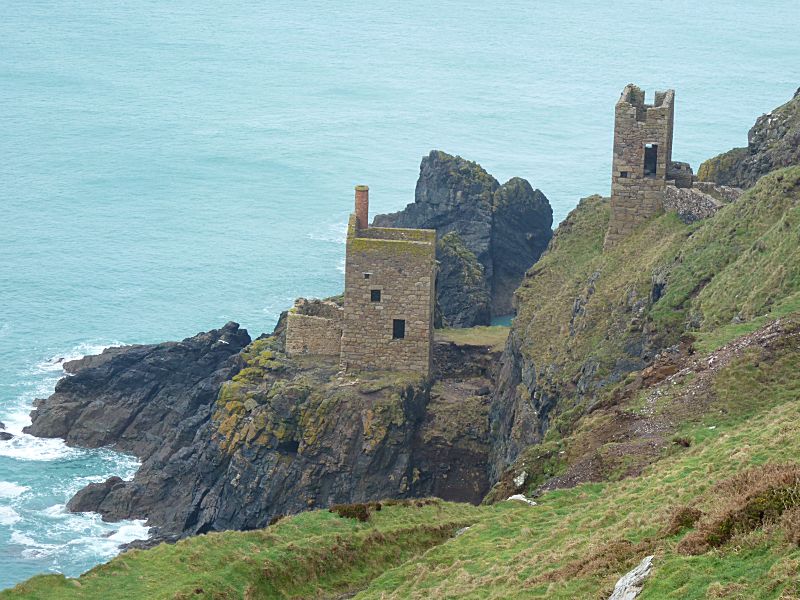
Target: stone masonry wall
698,202
690,204
314,327
636,197
404,271
720,192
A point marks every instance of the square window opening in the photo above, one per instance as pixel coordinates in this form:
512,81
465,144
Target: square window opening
375,295
367,275
398,329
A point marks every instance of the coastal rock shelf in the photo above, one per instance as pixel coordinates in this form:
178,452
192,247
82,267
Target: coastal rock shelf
232,434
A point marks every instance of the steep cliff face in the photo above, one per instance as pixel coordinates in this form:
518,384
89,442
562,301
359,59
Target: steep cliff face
588,318
580,325
504,228
773,142
461,285
231,435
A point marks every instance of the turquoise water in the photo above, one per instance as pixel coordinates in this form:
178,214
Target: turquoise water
166,167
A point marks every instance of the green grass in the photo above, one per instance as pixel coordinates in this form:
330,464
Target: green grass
725,277
294,558
585,315
740,264
707,341
493,336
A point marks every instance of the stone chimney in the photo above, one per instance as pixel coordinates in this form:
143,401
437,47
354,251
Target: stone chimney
362,206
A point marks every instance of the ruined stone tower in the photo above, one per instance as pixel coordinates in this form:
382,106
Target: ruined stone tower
642,157
390,277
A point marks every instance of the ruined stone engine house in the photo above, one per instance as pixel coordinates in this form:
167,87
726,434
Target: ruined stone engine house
386,322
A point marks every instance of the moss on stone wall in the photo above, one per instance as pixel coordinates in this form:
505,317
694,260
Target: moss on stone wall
392,247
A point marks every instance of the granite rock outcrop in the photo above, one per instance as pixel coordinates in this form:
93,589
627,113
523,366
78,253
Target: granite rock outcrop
772,143
504,228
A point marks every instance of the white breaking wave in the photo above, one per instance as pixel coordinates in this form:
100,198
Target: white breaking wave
335,233
9,489
84,534
8,516
40,382
53,534
27,447
33,549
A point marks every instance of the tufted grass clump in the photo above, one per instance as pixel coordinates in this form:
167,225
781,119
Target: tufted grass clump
682,517
359,511
790,522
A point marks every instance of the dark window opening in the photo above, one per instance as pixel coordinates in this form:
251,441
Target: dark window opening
398,329
623,174
650,159
366,275
375,295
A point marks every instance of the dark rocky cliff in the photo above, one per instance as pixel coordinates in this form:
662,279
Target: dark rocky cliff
773,142
231,435
495,233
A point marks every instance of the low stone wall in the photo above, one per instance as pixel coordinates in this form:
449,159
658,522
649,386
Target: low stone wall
691,204
720,192
306,334
314,327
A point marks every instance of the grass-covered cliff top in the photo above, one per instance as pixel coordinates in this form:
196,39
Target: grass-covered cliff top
493,337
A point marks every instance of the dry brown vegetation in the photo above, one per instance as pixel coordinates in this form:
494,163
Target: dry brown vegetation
747,501
682,518
610,557
790,522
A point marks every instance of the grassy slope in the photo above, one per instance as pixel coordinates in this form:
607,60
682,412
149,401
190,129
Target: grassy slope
294,558
577,542
580,307
493,337
743,263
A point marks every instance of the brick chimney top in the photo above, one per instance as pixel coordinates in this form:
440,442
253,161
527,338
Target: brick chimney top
362,206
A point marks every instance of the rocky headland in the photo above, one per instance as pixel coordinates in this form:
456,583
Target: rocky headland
772,142
233,433
489,235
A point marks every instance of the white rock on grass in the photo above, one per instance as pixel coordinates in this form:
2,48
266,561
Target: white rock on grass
519,480
630,585
521,498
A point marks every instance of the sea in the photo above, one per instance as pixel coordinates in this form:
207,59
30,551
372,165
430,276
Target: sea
166,167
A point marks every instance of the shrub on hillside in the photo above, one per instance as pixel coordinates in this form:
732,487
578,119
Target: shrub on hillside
357,510
682,517
746,502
